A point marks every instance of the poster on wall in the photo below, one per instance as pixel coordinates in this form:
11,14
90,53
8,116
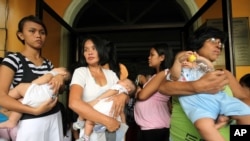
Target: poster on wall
241,40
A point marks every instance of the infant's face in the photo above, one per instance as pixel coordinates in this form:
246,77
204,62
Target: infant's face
186,64
126,83
122,82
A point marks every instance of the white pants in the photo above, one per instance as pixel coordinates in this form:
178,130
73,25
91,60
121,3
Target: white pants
47,128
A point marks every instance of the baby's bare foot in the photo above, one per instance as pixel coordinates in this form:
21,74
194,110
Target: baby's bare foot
7,124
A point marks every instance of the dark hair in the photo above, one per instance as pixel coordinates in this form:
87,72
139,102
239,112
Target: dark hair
163,49
30,18
197,40
245,80
113,60
99,45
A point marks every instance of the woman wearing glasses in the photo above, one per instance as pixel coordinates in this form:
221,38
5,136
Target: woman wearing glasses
207,42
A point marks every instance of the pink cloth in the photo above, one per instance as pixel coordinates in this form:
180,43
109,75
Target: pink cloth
153,113
8,134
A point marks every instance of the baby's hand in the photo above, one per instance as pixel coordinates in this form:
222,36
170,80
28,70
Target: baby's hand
56,83
205,61
192,58
184,55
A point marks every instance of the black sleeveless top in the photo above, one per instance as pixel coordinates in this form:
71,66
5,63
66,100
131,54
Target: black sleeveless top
29,76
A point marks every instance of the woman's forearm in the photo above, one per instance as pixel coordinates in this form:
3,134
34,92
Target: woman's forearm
173,88
82,108
210,83
15,105
152,86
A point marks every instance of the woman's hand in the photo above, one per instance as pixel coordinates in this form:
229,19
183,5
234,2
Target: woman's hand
211,82
45,107
112,125
141,79
138,89
56,83
118,104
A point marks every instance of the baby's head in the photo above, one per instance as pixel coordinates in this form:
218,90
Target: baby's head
67,76
187,64
245,83
129,85
245,80
63,71
184,58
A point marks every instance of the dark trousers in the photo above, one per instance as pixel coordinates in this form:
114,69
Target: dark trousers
153,135
132,132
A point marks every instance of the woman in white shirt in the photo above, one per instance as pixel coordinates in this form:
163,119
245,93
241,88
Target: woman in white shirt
88,81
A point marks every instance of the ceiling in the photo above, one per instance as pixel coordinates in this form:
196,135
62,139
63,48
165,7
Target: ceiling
133,25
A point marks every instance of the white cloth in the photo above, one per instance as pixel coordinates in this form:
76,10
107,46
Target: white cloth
68,136
120,133
119,88
83,78
103,106
37,94
48,128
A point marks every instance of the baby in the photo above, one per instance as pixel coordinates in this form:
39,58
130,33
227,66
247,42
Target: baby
103,105
204,109
34,93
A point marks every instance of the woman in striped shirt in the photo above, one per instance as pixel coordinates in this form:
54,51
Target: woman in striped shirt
42,123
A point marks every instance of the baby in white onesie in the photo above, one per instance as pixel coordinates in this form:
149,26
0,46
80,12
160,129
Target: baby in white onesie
103,105
34,93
